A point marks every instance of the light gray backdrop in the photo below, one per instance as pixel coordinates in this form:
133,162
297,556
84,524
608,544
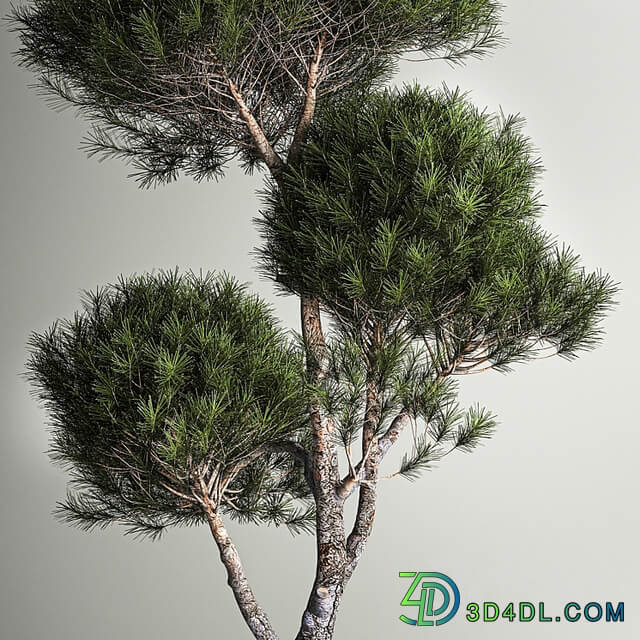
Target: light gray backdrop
548,510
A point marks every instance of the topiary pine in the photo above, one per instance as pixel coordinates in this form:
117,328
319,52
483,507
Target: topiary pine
188,85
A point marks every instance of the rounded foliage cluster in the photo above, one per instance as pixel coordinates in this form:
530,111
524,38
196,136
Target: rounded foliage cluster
163,381
156,76
413,211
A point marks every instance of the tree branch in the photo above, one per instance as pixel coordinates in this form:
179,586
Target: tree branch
300,453
253,614
393,432
309,107
267,152
363,524
348,484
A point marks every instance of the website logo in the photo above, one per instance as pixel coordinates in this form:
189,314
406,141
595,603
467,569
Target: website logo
436,596
437,599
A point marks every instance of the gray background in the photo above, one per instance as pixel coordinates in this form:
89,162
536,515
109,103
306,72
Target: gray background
548,510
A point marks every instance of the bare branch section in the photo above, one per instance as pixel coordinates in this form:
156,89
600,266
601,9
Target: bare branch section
253,614
390,436
270,157
311,94
365,515
352,480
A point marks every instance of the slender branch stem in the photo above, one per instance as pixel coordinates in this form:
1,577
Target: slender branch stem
309,107
253,614
267,152
363,524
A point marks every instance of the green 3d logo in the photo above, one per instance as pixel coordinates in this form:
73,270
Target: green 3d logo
438,601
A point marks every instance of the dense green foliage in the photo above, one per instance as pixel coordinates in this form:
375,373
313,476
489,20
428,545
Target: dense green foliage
408,216
165,381
154,75
412,215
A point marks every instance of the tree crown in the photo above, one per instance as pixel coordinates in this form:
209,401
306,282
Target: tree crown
164,382
171,85
412,214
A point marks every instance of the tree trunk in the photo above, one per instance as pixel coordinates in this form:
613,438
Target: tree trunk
319,616
318,619
253,614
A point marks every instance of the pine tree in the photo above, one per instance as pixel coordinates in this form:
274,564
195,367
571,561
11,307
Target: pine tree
412,217
408,217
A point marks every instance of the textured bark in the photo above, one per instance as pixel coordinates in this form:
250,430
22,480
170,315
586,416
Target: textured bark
365,515
313,79
319,616
313,336
267,152
253,614
318,623
318,619
393,433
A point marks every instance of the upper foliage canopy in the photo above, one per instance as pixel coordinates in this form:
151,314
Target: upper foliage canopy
162,78
412,214
165,382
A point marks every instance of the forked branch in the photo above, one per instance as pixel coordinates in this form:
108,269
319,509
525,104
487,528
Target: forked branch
308,109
